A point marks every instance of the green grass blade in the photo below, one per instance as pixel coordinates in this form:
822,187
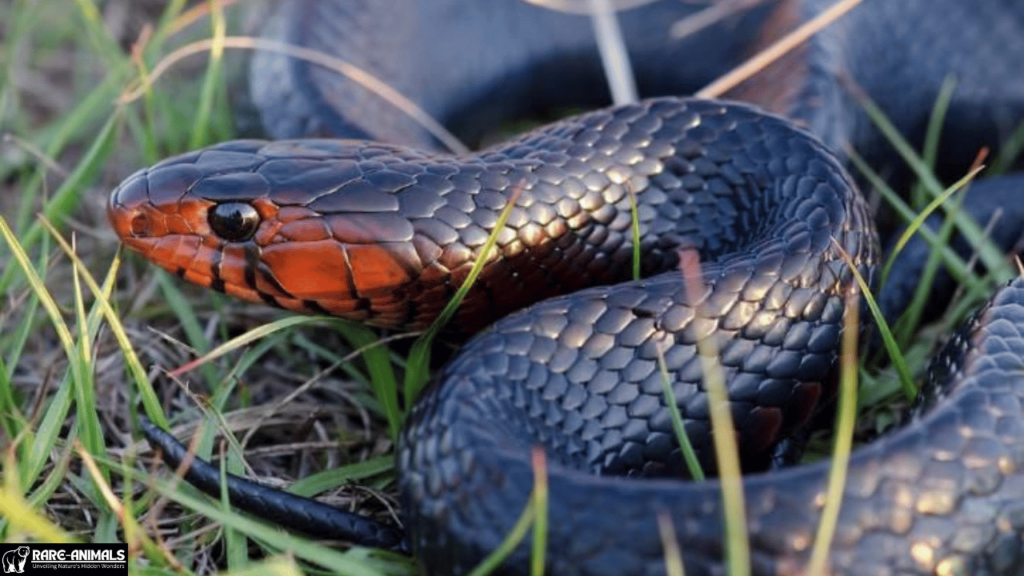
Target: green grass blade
906,381
540,512
80,121
737,545
330,479
956,265
673,555
504,550
911,317
68,193
933,135
846,418
634,216
918,221
535,509
18,513
246,338
418,367
90,430
102,295
213,79
1010,152
685,446
989,254
383,382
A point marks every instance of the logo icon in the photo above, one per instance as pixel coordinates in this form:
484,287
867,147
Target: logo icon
14,560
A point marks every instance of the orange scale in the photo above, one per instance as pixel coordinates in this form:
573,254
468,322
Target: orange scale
268,233
433,275
191,217
169,250
343,307
375,268
232,265
292,304
265,208
307,230
291,213
388,305
309,270
198,277
242,292
154,222
202,258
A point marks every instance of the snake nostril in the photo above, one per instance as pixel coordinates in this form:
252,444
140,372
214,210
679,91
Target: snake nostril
140,226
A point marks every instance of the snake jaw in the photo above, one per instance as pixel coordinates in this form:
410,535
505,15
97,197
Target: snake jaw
154,229
171,232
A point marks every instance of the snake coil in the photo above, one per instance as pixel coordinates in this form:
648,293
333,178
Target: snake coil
385,233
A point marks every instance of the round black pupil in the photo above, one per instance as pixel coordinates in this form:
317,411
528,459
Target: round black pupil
234,221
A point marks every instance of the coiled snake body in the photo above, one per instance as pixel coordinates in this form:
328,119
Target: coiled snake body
384,233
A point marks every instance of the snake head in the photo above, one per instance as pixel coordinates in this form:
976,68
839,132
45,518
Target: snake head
286,223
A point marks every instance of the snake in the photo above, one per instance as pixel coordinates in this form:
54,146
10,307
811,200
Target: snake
750,233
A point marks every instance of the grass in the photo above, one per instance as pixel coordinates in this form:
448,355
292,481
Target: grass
86,337
72,369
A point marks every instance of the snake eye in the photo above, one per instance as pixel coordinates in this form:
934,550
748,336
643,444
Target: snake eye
234,221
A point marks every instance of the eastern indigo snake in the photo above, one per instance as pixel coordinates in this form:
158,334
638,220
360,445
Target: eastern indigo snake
384,233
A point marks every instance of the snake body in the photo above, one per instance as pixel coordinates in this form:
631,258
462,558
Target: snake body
384,233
